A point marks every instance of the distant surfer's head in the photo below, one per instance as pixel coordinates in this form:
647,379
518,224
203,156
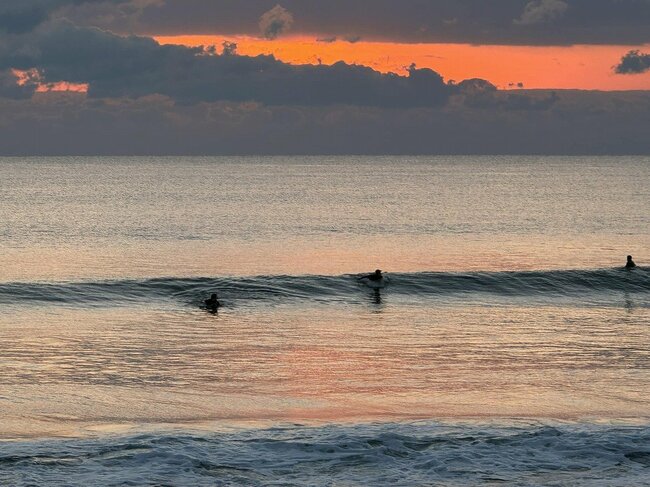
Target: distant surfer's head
629,258
378,271
214,296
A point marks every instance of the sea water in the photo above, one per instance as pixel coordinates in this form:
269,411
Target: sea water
510,345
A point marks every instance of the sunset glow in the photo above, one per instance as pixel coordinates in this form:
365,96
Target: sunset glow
573,67
289,242
63,86
33,76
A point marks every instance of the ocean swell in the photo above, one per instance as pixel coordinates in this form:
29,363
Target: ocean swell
346,288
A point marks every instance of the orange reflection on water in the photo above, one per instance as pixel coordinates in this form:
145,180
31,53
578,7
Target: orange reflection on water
68,370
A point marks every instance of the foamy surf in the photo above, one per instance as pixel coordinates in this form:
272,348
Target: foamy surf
379,454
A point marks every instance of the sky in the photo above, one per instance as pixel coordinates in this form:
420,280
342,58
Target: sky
587,67
324,76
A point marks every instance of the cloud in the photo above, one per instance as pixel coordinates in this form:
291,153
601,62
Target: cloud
229,48
144,98
123,15
480,94
542,11
577,123
11,86
115,66
275,22
622,22
476,21
634,62
20,16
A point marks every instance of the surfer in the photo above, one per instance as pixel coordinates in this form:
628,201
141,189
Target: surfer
213,302
376,276
630,263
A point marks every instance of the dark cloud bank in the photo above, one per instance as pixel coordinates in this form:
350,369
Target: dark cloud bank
553,22
137,66
576,123
145,98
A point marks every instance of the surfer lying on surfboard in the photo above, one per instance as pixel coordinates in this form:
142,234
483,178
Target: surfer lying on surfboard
376,280
376,276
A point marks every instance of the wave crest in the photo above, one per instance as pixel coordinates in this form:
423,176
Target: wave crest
346,288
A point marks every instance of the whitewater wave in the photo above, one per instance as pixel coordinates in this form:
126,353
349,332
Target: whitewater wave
346,288
389,454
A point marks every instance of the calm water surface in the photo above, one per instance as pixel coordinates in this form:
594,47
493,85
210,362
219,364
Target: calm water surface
113,218
508,319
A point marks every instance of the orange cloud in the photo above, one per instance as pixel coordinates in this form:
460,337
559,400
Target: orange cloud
33,76
63,86
587,67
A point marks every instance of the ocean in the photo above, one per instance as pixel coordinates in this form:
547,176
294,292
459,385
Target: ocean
509,346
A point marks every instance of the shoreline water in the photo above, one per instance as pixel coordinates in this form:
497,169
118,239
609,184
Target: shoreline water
203,426
380,454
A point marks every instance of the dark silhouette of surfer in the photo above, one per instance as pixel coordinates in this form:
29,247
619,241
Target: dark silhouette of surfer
630,263
213,303
376,276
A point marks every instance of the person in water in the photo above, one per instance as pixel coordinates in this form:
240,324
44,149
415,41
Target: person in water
213,302
630,263
375,276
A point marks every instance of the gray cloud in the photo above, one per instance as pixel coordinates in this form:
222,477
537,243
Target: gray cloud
16,17
577,123
115,66
473,21
546,22
123,14
480,94
275,22
20,16
353,39
542,11
634,62
229,48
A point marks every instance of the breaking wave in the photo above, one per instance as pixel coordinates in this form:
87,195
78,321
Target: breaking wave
389,454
